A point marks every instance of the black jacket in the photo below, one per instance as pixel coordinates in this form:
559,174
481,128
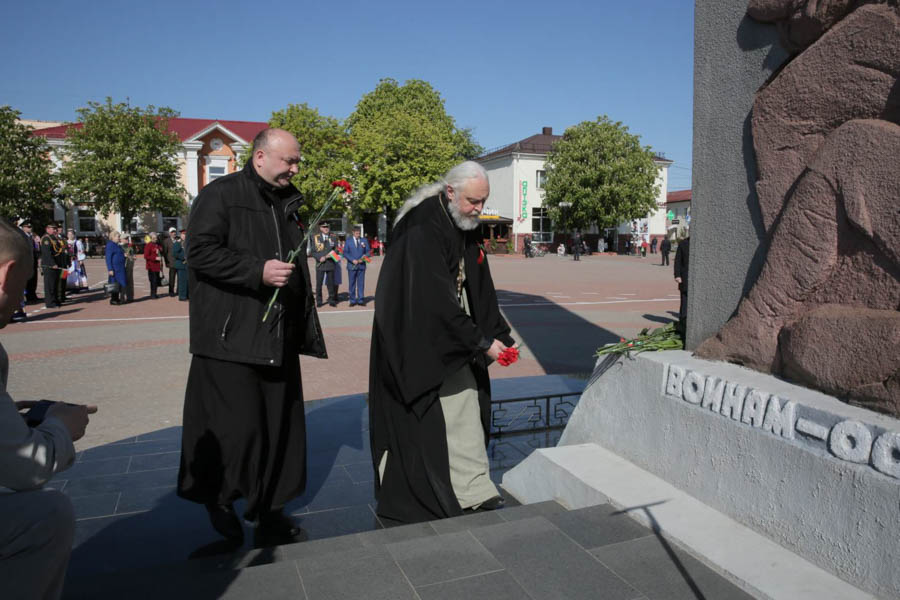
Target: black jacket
237,223
682,263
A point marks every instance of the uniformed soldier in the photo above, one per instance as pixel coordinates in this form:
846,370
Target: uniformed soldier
49,270
61,254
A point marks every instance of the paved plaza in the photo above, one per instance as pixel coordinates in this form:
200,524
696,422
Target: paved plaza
132,361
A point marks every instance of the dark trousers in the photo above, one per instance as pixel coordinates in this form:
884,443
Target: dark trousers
182,284
244,434
332,288
173,275
681,326
153,276
665,259
51,286
128,293
31,286
357,281
60,287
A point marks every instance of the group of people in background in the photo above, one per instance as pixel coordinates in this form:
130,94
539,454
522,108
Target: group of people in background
328,252
171,252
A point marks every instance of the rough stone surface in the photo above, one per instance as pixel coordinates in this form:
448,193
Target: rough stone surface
802,22
842,76
837,242
869,372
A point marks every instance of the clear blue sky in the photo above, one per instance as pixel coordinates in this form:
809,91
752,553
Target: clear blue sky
505,69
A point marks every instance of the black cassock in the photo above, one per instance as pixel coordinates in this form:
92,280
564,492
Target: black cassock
419,338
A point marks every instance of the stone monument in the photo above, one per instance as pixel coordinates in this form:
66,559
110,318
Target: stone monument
777,482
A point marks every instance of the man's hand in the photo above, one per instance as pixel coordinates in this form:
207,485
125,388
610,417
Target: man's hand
25,404
74,417
355,262
277,273
112,273
496,348
678,280
322,259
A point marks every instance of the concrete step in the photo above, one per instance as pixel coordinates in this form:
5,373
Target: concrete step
533,551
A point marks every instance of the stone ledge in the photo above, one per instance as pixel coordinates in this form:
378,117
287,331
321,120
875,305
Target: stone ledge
587,474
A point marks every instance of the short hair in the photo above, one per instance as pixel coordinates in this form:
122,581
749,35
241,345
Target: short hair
262,139
13,245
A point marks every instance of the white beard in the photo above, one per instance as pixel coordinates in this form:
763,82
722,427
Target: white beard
462,221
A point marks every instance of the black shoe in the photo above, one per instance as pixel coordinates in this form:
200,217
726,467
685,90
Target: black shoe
493,503
225,522
19,317
332,303
320,304
276,528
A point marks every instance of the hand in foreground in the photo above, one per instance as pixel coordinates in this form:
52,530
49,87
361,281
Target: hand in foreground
25,404
496,348
678,280
73,416
277,273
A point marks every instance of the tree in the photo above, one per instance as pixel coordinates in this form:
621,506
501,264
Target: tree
325,148
603,173
403,138
26,179
122,159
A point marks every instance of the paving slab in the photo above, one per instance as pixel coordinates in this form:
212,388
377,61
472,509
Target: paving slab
371,573
499,585
434,559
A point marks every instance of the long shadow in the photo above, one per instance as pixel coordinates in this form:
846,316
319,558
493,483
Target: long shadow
673,556
134,537
560,340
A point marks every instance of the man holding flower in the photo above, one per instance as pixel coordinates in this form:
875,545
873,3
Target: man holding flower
244,432
437,328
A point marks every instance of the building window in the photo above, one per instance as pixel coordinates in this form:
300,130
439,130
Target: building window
215,172
541,229
540,178
87,220
168,222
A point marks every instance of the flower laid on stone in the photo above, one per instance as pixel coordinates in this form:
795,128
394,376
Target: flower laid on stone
661,338
508,357
340,186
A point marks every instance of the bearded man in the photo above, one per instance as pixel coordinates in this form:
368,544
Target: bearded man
244,430
437,328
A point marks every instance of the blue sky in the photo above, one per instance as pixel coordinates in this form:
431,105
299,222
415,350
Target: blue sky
505,69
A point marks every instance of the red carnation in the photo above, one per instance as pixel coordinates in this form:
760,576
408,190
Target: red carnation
480,256
508,357
343,183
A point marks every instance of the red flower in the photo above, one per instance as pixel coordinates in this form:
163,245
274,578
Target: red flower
480,255
508,357
621,340
343,183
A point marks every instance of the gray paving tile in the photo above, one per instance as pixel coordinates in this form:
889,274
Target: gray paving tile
465,522
548,565
320,547
272,582
526,511
442,558
339,521
401,533
170,433
370,573
663,572
340,495
598,526
57,484
109,466
97,505
360,472
115,450
494,586
143,499
150,462
87,486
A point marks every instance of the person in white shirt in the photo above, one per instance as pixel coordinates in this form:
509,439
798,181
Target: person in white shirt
36,525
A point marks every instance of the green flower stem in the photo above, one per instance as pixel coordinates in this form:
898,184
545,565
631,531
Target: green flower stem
292,256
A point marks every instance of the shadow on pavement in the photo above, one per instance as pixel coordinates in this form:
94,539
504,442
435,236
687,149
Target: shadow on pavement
559,339
129,519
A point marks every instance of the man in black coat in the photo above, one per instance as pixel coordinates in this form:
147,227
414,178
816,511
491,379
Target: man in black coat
168,253
437,328
244,433
682,262
323,244
664,248
49,268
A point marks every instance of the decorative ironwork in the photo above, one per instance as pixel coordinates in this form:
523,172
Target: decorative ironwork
532,414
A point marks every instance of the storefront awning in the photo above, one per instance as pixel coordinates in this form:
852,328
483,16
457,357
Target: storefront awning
489,219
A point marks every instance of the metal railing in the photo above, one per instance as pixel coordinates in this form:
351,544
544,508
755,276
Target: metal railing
532,413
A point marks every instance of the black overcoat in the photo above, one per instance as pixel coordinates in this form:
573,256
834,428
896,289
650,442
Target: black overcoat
420,337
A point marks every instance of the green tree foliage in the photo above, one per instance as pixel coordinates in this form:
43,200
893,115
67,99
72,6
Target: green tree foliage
122,160
325,148
403,138
26,180
603,172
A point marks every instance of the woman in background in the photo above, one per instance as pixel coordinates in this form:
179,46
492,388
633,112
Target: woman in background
152,254
128,249
115,266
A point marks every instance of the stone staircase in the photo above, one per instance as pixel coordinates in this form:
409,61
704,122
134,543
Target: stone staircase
534,551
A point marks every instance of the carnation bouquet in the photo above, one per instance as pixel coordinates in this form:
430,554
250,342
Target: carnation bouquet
661,338
341,187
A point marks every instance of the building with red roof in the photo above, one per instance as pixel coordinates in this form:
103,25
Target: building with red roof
210,148
678,213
